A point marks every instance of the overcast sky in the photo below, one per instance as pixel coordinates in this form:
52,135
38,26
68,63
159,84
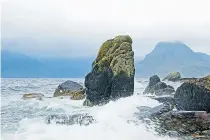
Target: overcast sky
77,28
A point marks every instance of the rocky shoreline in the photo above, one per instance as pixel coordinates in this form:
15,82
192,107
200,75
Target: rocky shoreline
185,110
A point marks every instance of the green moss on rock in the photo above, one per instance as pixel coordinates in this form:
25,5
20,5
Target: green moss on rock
174,76
116,54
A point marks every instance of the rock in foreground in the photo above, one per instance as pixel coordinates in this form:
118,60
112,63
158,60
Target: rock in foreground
175,76
112,74
157,87
38,96
81,119
70,88
184,122
194,95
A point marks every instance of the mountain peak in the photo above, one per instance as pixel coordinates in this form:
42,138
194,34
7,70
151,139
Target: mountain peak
172,46
173,56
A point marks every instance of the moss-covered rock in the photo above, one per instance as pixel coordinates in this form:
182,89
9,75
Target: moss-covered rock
78,95
112,72
72,89
174,76
116,54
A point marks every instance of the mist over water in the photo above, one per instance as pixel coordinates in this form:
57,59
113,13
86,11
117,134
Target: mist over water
25,119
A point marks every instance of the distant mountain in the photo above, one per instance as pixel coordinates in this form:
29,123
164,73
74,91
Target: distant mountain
173,56
17,65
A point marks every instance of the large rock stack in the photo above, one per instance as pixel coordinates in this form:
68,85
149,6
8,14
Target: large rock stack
112,74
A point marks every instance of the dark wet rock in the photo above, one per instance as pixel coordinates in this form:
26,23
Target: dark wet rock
81,119
167,120
157,87
174,76
112,74
153,81
192,96
165,91
151,113
70,88
184,122
38,96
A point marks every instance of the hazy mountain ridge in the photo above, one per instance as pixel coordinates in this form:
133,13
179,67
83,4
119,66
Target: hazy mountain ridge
173,56
17,65
165,58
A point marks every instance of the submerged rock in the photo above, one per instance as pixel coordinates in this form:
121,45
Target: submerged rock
38,96
81,119
175,76
112,74
194,95
70,88
157,87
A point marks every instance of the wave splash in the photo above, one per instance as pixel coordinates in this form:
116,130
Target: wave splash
114,121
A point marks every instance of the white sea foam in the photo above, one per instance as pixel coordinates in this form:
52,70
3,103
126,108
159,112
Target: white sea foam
112,119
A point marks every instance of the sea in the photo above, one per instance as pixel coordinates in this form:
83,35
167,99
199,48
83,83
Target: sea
26,119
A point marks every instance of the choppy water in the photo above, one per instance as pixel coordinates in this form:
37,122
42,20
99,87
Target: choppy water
25,119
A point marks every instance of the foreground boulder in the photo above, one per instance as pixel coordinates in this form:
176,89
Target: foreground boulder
70,88
184,122
157,87
194,95
38,96
64,119
175,76
112,74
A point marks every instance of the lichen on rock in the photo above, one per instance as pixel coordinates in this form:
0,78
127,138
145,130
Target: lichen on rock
112,74
116,54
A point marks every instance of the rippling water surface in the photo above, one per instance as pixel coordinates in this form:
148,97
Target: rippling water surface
25,119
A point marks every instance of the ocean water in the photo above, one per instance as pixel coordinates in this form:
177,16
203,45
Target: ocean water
25,119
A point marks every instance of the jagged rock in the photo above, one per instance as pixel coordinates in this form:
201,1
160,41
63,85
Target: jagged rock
194,95
70,88
38,96
175,76
81,119
157,87
112,74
